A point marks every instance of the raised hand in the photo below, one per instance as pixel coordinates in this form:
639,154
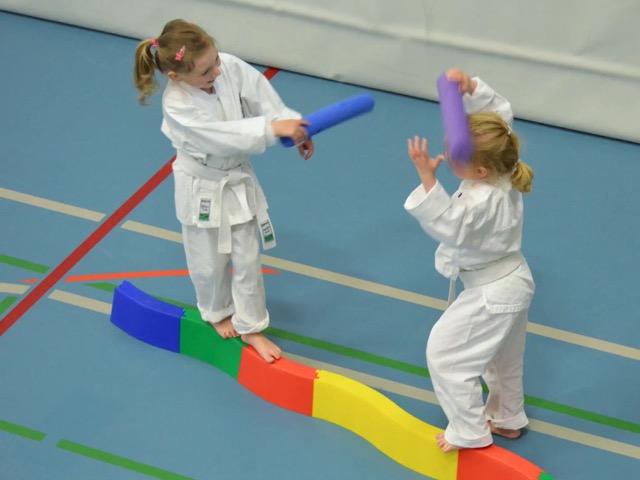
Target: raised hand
424,163
467,85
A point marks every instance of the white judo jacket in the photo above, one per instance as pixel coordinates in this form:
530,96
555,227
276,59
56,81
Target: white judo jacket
479,227
214,136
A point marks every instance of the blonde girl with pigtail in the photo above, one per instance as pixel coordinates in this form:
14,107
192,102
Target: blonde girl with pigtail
218,111
481,335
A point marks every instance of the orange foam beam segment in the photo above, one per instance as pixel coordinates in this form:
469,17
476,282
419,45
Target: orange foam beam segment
295,387
284,383
492,463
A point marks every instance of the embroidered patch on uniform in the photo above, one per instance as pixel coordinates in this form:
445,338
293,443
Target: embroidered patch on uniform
267,231
205,209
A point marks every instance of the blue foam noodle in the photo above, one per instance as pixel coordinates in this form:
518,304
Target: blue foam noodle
459,140
146,318
335,114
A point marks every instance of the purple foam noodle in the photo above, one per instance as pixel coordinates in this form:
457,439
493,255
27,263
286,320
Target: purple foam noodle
459,141
335,114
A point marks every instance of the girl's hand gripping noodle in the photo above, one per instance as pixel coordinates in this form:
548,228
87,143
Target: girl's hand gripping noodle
334,114
459,142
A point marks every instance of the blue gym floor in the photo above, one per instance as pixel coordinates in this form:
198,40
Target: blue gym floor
80,399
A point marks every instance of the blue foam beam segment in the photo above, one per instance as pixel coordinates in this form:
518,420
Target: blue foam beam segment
454,121
146,318
335,114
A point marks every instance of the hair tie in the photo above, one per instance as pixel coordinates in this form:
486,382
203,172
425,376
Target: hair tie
154,43
509,131
180,53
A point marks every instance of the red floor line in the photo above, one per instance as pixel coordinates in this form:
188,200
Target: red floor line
68,263
93,277
121,275
109,224
147,274
271,72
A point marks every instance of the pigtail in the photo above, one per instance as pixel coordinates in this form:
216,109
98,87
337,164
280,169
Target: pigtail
522,177
144,70
173,51
498,150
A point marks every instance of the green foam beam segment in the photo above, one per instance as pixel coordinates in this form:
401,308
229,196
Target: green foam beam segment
200,340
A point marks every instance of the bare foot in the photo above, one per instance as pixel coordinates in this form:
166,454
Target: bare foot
444,445
225,328
265,347
503,432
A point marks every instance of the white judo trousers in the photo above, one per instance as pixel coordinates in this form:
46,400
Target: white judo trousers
217,194
482,335
220,292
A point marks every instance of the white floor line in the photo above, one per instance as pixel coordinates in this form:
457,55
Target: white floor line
157,232
51,205
326,275
576,436
427,396
584,341
354,282
14,288
80,301
424,395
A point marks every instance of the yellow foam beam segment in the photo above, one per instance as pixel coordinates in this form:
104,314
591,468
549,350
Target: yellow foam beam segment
396,433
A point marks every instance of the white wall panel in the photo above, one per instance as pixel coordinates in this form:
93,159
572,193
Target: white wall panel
570,63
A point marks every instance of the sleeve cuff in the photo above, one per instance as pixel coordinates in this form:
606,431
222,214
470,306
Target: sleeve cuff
270,137
481,97
428,206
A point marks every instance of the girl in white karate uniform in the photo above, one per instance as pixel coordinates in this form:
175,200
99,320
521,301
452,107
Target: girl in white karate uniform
482,333
217,111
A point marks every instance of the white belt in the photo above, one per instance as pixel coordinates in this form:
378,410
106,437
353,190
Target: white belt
492,272
234,176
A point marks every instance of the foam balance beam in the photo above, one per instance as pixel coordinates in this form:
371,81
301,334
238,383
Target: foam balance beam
317,393
150,320
393,431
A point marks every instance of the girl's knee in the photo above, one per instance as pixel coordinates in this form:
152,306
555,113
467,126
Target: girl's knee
251,272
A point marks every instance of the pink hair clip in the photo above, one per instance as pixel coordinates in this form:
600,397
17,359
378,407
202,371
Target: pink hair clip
180,53
154,43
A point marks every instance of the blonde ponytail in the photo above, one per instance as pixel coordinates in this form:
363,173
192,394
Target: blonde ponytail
522,177
498,149
176,49
144,71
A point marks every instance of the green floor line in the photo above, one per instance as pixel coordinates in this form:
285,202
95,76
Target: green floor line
107,287
119,461
582,414
6,303
16,262
21,431
349,352
423,372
